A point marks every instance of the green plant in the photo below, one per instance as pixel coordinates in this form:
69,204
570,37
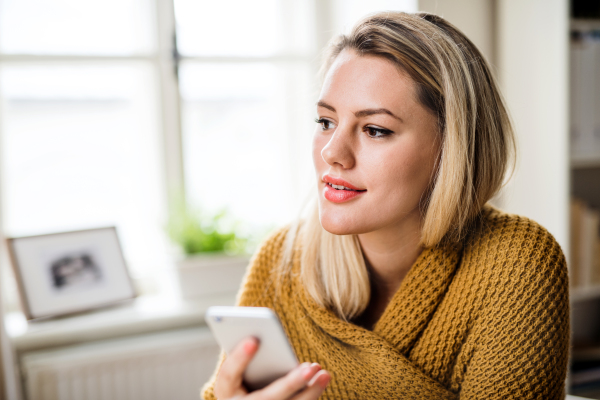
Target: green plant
196,232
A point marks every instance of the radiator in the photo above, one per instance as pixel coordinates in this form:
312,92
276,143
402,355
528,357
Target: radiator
165,366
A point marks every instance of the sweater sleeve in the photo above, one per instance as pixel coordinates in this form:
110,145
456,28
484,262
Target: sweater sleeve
256,290
522,334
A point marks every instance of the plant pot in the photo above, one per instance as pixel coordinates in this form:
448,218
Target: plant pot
207,274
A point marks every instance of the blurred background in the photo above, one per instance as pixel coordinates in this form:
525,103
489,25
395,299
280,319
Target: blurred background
187,125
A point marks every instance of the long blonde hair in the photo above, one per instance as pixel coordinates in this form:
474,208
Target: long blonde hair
454,81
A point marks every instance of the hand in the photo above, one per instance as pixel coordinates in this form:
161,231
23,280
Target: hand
305,382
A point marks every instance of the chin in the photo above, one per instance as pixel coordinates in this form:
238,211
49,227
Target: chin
336,229
339,224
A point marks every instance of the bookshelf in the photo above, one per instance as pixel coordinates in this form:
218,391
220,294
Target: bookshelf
584,257
584,130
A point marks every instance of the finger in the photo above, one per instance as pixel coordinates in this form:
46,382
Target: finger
315,388
317,375
316,366
230,377
287,386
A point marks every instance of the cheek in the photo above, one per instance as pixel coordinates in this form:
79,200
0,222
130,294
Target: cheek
406,172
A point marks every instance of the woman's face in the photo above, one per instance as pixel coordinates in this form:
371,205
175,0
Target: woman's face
375,138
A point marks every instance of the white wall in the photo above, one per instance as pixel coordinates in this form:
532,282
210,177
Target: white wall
474,17
533,71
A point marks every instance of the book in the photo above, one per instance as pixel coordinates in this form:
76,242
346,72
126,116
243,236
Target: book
589,238
584,264
577,209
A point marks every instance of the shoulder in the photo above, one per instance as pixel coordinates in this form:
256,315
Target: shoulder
512,236
515,279
518,251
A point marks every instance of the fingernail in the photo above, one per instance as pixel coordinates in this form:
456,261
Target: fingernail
306,371
250,346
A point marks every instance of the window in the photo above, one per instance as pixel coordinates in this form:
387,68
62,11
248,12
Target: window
80,125
102,118
245,94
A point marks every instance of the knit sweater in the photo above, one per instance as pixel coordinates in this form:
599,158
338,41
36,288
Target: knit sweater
485,319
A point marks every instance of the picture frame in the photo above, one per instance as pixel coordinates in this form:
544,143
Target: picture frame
70,272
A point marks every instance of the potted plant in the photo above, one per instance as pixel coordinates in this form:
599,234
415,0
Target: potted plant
212,256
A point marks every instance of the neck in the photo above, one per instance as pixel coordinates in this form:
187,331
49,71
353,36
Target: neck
390,253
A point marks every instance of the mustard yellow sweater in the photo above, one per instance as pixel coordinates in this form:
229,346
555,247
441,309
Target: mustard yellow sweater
486,319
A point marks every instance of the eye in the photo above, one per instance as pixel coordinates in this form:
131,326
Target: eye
376,132
325,123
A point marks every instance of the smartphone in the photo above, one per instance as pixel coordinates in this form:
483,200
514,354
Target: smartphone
275,356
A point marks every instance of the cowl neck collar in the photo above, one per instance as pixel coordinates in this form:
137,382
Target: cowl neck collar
409,310
406,316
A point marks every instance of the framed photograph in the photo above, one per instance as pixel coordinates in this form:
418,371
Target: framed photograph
70,272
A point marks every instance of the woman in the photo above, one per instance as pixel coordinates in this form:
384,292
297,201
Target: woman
404,283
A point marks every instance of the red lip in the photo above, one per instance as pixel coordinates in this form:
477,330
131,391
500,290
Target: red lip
340,196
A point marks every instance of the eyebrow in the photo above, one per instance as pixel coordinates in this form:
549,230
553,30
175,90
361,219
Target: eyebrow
363,113
321,103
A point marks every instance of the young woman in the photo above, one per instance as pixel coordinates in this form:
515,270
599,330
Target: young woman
404,283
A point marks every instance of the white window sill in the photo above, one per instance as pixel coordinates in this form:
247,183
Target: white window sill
142,315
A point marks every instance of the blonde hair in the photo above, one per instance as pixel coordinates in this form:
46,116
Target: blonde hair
455,83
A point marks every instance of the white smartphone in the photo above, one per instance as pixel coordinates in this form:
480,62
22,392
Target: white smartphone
275,356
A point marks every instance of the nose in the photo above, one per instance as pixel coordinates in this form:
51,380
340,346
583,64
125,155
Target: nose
339,151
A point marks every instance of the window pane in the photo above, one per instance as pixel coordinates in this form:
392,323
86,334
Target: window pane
80,150
96,27
247,134
243,28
